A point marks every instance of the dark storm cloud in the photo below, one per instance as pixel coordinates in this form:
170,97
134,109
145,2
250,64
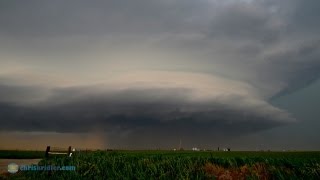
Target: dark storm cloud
305,18
275,42
246,22
300,66
158,110
266,43
13,93
54,18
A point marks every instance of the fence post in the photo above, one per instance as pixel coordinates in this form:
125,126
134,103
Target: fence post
47,151
69,151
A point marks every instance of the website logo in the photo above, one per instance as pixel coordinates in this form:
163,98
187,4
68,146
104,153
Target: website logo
13,168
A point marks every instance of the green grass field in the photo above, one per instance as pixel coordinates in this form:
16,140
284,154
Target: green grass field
179,165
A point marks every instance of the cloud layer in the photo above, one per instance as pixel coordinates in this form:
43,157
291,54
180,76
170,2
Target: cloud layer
155,102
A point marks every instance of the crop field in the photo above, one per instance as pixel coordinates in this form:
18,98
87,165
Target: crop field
180,165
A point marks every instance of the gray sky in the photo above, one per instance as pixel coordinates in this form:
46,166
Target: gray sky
147,73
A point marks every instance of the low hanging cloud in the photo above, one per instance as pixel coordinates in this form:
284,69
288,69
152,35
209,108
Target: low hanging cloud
155,102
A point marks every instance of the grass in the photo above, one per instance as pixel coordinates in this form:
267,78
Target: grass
19,154
181,165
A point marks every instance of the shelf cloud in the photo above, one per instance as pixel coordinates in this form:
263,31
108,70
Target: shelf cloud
158,102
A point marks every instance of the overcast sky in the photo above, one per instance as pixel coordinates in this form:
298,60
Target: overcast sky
149,73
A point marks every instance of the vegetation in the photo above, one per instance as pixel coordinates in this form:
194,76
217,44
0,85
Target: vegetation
181,165
18,154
